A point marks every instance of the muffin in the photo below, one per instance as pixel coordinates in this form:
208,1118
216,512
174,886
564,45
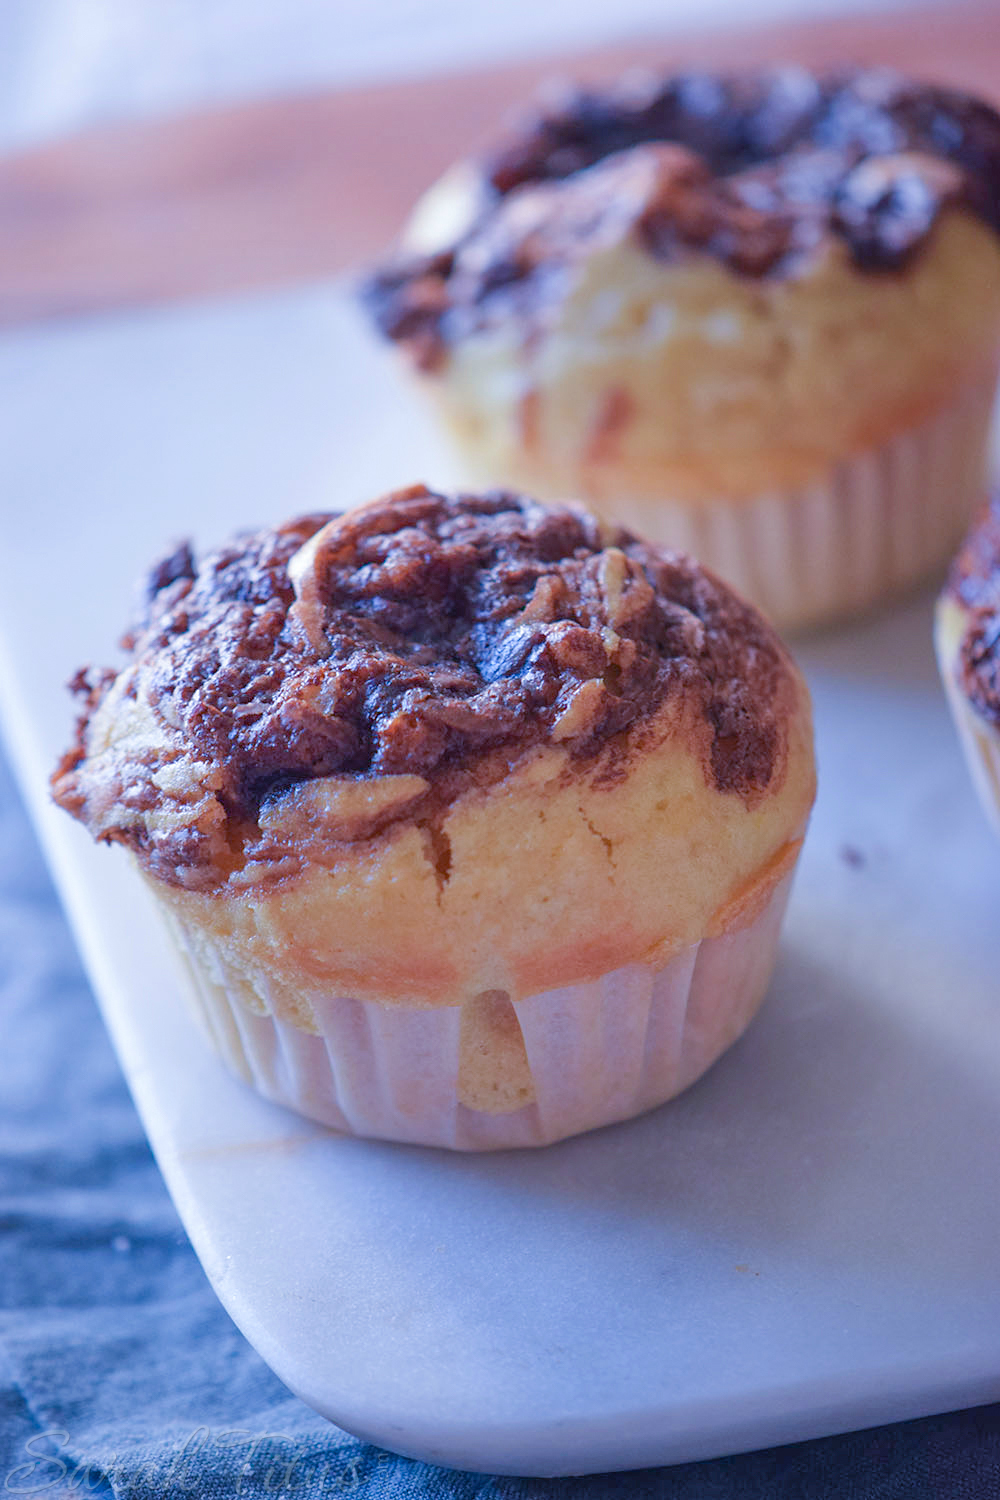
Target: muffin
967,637
475,820
755,317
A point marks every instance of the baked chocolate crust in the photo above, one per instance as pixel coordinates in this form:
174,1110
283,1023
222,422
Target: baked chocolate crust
974,581
421,636
760,167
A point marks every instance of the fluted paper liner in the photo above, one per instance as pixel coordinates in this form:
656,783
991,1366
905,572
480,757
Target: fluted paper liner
597,1052
877,524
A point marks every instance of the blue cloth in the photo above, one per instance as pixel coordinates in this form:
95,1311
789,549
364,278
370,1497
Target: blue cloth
120,1373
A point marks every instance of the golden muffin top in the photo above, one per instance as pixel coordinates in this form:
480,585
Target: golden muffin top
418,645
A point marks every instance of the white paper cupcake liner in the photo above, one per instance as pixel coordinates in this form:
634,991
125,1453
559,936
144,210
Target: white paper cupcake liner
877,524
597,1052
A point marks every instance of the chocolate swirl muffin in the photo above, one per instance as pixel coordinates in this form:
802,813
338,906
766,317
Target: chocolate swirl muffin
756,316
481,813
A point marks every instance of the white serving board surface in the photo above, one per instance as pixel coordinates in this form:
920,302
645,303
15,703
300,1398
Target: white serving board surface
804,1243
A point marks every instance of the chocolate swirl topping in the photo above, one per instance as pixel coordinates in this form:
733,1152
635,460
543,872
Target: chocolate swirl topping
421,637
974,581
754,169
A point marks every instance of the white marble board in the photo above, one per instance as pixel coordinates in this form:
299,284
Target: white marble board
805,1242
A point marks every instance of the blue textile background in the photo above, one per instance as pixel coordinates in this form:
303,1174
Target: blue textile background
121,1374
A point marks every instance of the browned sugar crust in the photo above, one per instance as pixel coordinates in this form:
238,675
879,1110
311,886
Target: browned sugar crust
423,635
753,169
974,581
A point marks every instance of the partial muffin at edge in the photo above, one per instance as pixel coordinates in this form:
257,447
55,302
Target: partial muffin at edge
967,639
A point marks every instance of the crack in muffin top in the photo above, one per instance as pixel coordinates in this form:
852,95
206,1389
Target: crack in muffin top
424,637
754,169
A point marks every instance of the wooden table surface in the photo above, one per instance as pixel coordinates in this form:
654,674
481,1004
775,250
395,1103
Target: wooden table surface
290,189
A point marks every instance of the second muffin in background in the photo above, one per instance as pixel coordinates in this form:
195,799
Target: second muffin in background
755,317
